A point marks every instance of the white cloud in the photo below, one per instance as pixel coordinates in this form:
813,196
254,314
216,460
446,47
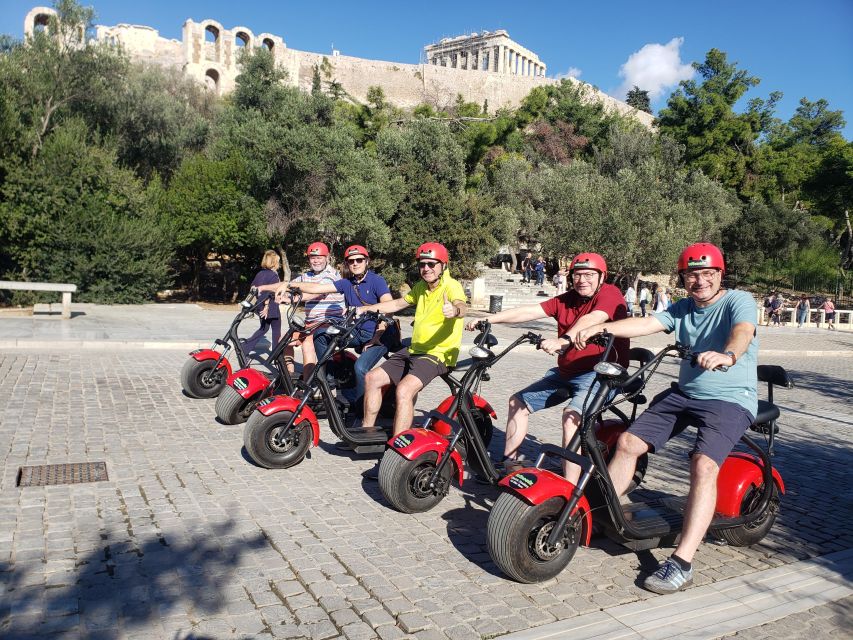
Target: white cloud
573,72
655,68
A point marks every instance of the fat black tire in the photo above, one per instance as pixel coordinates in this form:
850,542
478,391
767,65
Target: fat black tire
232,408
193,378
750,534
403,482
516,535
258,437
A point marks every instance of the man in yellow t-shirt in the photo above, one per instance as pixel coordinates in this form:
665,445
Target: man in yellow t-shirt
439,309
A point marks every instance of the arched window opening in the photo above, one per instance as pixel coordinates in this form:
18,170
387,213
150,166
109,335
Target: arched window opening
211,43
241,39
211,80
269,44
40,22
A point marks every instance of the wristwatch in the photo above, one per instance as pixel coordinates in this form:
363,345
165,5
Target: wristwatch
732,355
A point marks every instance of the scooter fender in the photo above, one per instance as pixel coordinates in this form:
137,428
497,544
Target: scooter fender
443,428
413,443
274,404
211,354
247,382
739,472
535,486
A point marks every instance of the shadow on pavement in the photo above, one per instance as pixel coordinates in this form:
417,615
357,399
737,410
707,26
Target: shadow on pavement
122,587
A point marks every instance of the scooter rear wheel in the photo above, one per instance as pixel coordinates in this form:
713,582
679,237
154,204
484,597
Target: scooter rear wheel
199,380
232,408
405,483
747,535
517,535
259,439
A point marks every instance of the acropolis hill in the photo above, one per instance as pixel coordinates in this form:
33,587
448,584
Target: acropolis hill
486,67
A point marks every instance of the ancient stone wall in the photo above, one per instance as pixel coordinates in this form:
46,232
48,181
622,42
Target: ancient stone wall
209,52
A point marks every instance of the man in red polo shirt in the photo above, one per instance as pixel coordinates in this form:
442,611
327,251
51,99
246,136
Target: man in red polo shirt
590,301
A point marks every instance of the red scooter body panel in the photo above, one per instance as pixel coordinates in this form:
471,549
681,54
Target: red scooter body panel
536,486
248,382
443,428
739,472
608,432
413,443
274,404
211,354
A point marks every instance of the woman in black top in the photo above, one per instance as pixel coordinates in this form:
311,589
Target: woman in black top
270,315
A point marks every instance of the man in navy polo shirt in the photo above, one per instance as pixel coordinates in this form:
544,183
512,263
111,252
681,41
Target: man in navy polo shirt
362,287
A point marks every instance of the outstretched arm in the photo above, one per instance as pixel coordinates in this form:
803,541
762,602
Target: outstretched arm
519,314
626,328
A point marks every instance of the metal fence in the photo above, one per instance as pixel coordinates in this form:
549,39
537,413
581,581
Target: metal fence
839,288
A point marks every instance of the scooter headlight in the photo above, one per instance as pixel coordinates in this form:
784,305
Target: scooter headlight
333,330
609,369
298,322
479,353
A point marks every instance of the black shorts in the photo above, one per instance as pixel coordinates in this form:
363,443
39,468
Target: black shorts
424,367
720,423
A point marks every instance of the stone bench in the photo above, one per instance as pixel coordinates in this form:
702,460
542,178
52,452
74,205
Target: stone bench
64,288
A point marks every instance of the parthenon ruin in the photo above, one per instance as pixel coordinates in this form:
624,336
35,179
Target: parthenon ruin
491,51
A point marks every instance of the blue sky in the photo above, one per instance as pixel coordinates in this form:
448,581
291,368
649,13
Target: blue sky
801,49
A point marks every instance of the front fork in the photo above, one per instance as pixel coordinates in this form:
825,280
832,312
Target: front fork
279,437
585,464
225,349
435,480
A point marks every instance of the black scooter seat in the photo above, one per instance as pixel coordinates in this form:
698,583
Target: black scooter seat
766,412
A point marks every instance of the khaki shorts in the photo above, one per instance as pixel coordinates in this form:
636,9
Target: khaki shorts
424,367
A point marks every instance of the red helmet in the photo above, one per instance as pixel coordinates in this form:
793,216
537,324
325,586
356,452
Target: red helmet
702,255
432,250
317,249
356,250
589,261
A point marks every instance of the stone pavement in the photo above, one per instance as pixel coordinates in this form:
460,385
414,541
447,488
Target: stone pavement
188,539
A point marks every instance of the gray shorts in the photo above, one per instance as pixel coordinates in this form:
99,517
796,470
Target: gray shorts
424,367
720,423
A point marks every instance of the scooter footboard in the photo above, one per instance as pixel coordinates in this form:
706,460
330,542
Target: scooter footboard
739,473
276,404
211,354
248,382
535,486
413,443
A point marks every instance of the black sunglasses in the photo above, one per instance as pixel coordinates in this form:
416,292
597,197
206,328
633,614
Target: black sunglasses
355,260
428,265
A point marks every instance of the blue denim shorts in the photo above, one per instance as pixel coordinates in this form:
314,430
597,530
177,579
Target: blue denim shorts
720,423
554,390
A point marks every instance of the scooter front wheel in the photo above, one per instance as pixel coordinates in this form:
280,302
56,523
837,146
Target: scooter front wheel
232,408
259,438
200,380
749,534
405,483
517,538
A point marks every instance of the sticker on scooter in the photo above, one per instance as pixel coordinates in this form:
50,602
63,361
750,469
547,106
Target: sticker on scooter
403,441
522,480
241,383
265,402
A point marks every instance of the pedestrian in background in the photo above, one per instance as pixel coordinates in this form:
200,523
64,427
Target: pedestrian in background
829,309
645,298
540,271
268,308
630,299
802,308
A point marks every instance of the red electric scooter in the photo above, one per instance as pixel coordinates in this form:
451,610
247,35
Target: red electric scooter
246,387
417,470
205,373
279,434
540,518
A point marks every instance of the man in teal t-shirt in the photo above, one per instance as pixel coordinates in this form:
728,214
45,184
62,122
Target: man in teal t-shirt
718,325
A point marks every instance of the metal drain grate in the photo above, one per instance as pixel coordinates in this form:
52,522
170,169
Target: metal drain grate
50,474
